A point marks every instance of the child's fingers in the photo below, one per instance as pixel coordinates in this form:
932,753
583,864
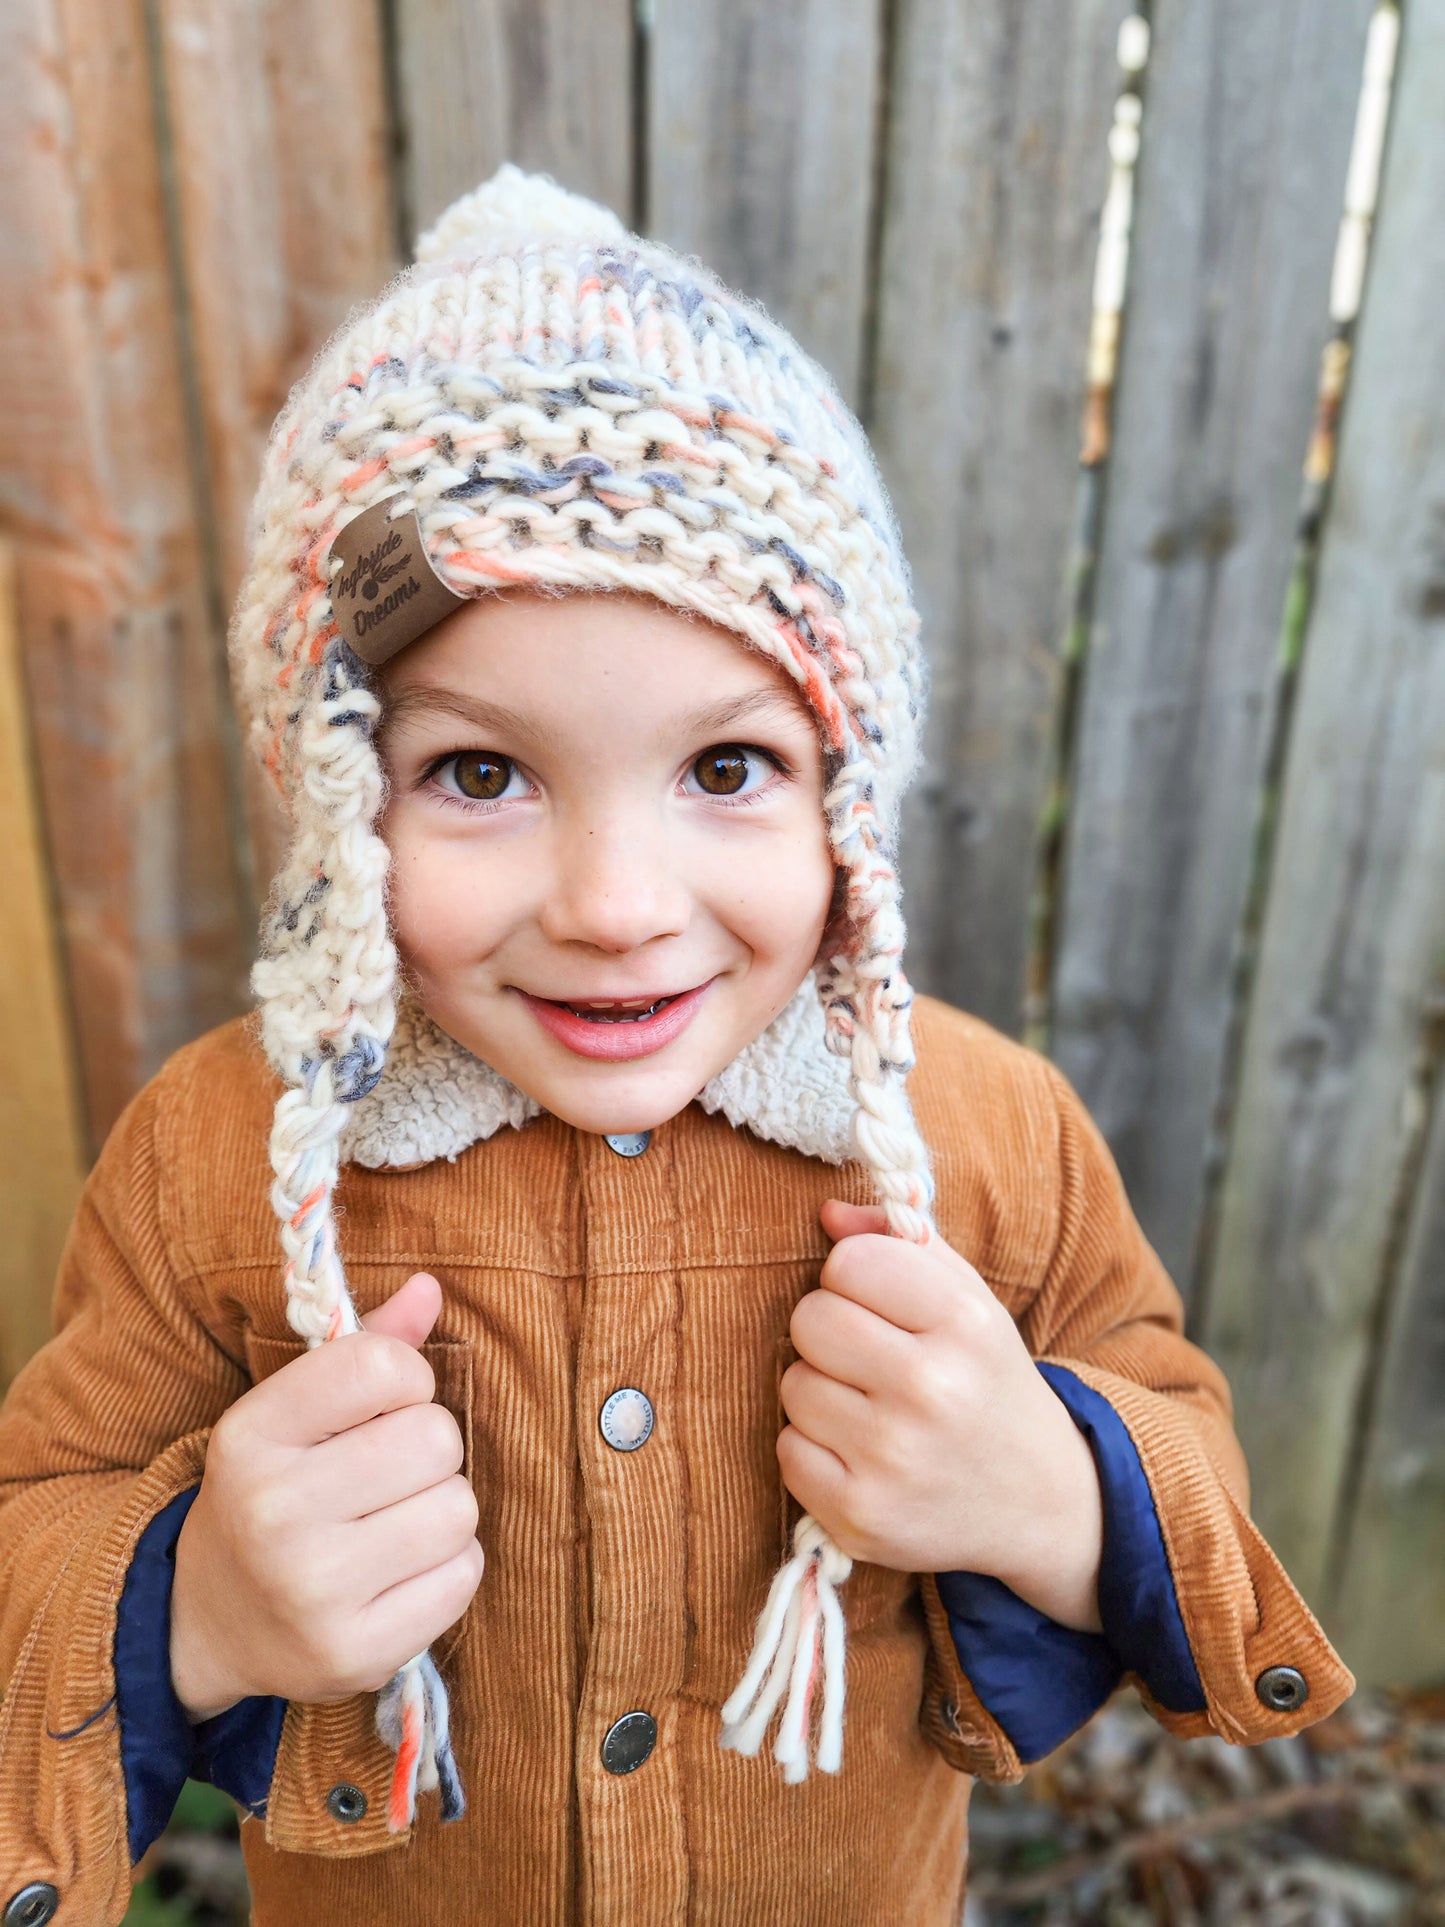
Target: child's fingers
910,1286
379,1462
842,1220
336,1386
409,1313
816,1476
425,1530
852,1343
825,1409
407,1618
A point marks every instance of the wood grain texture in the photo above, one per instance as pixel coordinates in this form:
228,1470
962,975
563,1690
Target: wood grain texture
539,82
762,119
278,119
1248,121
997,169
40,1153
122,661
1354,938
1393,1597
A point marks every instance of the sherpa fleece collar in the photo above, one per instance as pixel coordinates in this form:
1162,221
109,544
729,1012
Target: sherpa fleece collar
435,1098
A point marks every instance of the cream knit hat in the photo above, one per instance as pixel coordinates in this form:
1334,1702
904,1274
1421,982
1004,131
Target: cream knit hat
563,404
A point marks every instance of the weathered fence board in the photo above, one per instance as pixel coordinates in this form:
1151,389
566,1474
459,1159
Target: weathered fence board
539,82
40,1153
1354,937
1247,126
1393,1604
771,184
996,172
122,668
285,218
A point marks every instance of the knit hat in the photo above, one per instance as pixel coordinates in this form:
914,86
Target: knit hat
564,405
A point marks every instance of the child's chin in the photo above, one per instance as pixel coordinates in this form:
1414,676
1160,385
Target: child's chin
626,1098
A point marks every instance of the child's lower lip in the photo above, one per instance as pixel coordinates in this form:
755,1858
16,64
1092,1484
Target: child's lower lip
639,1037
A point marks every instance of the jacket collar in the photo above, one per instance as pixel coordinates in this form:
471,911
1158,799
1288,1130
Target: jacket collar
435,1098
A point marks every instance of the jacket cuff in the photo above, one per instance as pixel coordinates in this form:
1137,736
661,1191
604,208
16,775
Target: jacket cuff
1261,1660
1138,1606
1041,1681
159,1747
60,1768
1038,1680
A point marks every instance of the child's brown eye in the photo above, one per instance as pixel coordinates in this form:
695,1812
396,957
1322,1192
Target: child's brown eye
722,771
479,775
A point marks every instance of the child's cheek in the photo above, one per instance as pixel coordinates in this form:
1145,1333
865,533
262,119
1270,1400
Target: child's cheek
440,917
777,899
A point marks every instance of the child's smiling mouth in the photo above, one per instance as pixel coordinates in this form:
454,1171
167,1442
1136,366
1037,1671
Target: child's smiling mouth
616,1028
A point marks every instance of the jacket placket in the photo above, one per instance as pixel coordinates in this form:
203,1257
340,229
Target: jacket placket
633,1859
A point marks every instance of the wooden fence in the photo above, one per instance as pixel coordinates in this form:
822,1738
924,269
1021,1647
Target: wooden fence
1183,821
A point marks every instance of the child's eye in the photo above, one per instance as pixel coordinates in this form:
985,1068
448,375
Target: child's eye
730,769
479,775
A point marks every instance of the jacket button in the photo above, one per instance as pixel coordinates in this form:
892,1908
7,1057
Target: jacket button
347,1802
626,1419
628,1743
628,1144
1282,1689
32,1906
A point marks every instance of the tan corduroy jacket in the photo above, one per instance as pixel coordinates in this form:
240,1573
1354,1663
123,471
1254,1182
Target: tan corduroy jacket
614,1580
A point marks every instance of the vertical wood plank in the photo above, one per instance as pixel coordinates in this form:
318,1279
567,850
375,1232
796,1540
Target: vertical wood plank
40,1152
1248,121
538,82
121,658
1354,935
761,143
1393,1598
997,169
278,117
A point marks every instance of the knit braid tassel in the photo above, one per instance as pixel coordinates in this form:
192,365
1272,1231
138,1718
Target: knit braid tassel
412,1717
800,1636
412,1709
802,1633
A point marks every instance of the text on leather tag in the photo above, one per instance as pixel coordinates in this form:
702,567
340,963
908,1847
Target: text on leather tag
386,592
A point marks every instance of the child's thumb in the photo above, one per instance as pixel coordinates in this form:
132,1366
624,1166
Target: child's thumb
410,1313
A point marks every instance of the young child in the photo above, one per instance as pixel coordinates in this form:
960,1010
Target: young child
578,639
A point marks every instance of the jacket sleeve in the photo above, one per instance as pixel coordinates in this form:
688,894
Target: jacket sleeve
1196,1609
160,1749
103,1428
1041,1681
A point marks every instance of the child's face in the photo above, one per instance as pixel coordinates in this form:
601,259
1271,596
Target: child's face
594,803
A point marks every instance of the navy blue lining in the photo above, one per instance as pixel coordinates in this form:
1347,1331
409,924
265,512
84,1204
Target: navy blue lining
1138,1604
1040,1680
159,1748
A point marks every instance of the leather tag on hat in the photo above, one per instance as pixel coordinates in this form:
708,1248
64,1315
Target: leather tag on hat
386,592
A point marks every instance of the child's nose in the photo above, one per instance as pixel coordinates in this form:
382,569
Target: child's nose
615,890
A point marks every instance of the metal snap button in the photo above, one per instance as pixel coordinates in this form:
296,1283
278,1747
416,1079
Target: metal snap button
628,1144
626,1419
32,1906
347,1802
628,1743
1282,1689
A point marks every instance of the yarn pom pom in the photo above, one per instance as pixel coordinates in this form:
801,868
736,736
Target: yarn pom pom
518,207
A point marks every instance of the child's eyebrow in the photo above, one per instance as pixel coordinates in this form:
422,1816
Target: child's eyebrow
427,699
746,708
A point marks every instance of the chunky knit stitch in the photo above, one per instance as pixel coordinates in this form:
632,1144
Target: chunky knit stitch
568,407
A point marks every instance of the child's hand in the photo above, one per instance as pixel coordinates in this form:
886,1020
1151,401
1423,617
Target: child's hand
923,1437
333,1536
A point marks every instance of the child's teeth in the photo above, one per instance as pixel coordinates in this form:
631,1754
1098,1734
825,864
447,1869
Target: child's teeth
617,1013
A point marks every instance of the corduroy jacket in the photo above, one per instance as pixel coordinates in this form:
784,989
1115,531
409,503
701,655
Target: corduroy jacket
614,1580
